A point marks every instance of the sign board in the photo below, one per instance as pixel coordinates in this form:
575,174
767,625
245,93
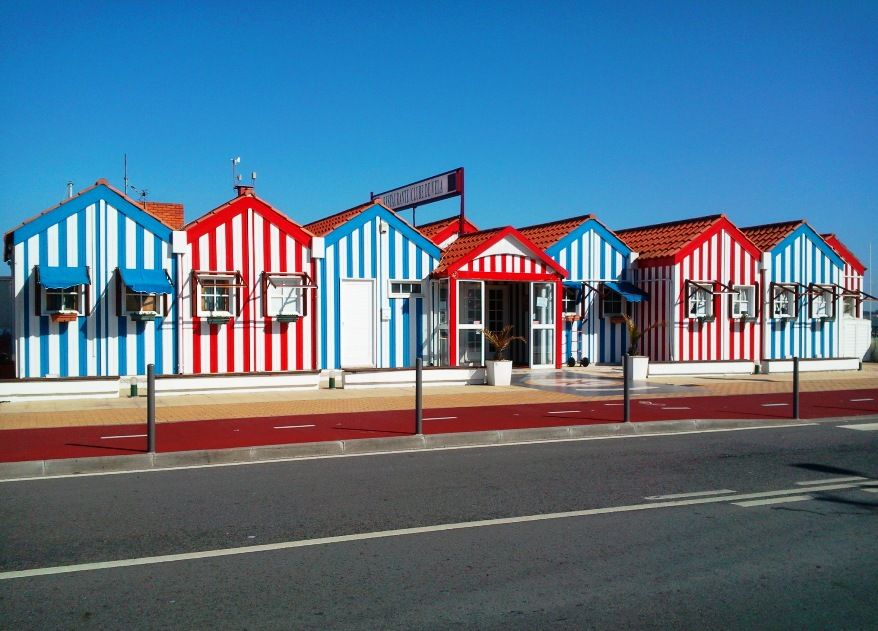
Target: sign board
426,191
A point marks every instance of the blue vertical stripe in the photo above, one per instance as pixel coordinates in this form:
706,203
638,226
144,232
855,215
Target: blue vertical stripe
159,324
391,254
325,318
121,320
362,237
44,320
98,292
349,257
337,328
406,332
405,258
82,323
28,310
392,335
419,334
63,327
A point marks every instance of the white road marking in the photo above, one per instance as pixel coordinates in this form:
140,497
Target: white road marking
438,418
292,426
773,405
679,408
614,404
832,480
563,412
400,532
774,500
862,399
128,436
548,441
863,427
696,494
871,490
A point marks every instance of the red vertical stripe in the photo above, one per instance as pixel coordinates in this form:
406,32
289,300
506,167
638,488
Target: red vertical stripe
232,323
266,321
300,325
246,249
214,329
452,322
196,321
284,328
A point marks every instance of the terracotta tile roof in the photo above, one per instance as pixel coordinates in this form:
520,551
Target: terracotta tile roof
843,251
433,228
768,235
545,235
665,239
323,227
244,191
169,214
462,246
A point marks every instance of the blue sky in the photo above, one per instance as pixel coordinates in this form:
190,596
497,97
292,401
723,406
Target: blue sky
639,112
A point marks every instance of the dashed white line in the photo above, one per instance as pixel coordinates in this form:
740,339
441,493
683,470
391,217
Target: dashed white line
292,426
831,480
695,494
677,408
438,418
863,427
773,405
863,399
563,412
126,436
774,500
614,404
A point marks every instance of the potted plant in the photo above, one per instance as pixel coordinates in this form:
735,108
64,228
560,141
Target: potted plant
499,369
639,363
65,315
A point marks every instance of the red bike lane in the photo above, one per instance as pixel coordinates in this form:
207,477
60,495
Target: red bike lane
87,441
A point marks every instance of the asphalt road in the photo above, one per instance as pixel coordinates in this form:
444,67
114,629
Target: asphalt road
628,557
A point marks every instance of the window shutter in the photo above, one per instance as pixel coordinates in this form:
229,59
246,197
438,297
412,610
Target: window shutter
86,308
264,294
165,305
193,294
757,300
38,293
118,278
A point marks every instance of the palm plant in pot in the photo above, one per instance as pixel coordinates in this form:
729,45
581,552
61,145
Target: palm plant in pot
499,369
639,363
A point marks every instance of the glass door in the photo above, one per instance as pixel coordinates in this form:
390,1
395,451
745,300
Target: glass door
470,316
440,322
497,312
542,325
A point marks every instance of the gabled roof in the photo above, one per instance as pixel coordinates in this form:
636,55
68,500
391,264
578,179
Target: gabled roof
439,230
323,227
88,195
556,234
211,219
768,235
469,246
666,239
843,251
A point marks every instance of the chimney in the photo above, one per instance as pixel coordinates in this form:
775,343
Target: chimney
69,189
169,214
244,189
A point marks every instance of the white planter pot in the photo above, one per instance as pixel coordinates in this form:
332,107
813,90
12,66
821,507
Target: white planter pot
499,373
639,367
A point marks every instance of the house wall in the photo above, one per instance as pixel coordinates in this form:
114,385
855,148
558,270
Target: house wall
590,256
801,258
719,258
103,231
361,249
247,238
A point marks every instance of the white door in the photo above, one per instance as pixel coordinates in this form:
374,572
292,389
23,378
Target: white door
357,321
542,325
470,319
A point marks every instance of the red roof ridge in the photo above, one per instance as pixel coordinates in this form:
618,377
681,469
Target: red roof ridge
252,195
676,222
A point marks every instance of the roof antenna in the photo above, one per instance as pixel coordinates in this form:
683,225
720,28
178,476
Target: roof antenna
141,193
253,179
235,177
125,172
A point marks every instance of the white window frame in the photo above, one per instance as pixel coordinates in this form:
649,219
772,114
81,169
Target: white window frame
750,292
855,306
699,293
789,292
570,302
826,297
140,297
286,287
405,288
77,290
206,280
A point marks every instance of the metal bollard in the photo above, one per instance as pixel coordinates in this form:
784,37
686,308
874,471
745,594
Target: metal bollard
150,408
796,388
419,396
626,378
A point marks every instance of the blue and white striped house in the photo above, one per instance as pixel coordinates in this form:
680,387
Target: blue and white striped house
373,306
93,280
801,291
596,292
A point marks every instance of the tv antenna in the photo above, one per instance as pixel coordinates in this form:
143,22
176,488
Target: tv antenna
142,193
235,177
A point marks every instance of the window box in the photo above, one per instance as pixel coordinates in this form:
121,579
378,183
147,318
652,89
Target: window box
65,316
287,318
219,318
707,318
143,316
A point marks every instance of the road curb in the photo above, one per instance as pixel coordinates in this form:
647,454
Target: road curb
397,444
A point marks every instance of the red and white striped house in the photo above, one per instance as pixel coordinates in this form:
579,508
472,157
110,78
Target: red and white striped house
702,277
248,299
856,331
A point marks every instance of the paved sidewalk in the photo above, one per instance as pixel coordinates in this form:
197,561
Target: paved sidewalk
69,413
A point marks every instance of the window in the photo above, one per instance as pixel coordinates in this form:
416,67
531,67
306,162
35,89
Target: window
570,304
285,297
217,294
744,301
67,299
611,304
822,300
405,289
700,300
136,302
849,306
783,301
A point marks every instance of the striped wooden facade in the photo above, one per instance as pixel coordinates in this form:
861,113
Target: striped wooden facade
592,255
371,242
710,251
102,230
249,238
798,256
854,270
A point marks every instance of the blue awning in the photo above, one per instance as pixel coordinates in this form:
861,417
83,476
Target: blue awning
63,277
146,281
628,291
